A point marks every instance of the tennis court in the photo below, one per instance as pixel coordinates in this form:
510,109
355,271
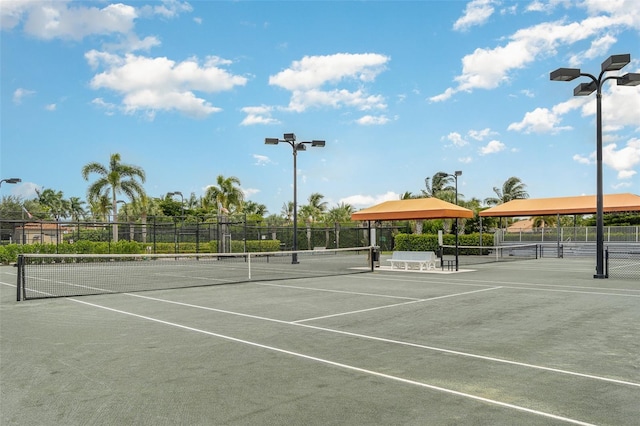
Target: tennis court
535,342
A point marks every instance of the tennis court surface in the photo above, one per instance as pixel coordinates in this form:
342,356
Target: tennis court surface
536,342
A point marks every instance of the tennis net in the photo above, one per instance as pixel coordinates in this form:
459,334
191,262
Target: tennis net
470,255
60,275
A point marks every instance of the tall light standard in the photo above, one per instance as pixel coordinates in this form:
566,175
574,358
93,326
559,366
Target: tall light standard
455,176
290,138
11,180
612,63
171,194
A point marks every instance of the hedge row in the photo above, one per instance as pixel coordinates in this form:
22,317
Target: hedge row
9,253
429,242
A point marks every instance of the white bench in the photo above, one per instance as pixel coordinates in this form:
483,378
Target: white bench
408,259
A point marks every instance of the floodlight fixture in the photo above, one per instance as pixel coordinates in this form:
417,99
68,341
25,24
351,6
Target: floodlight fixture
564,74
458,173
585,89
290,138
616,62
612,63
11,180
630,79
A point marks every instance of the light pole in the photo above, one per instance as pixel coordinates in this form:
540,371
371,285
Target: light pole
455,176
290,138
11,180
612,63
171,194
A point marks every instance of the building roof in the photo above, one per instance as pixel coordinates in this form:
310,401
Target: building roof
412,209
585,204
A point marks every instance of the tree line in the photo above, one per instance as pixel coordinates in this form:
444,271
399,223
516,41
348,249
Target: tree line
117,183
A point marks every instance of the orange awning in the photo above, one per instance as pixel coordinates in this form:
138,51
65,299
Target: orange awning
564,205
412,209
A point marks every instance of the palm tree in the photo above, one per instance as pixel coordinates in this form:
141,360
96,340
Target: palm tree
440,183
144,206
75,208
256,209
229,198
115,178
317,206
226,195
512,189
100,207
287,211
339,214
53,202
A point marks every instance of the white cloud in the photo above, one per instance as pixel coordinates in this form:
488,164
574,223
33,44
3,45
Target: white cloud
540,120
305,79
582,159
480,134
168,8
248,192
489,68
599,47
620,106
477,12
19,94
64,19
543,120
370,120
624,160
50,107
492,147
258,115
57,19
457,139
261,160
314,71
152,84
107,106
362,201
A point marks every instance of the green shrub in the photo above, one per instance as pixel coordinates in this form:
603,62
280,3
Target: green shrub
429,242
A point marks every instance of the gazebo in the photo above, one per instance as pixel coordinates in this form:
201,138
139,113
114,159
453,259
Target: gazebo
413,209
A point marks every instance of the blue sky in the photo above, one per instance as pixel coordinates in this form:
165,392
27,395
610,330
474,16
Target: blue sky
399,91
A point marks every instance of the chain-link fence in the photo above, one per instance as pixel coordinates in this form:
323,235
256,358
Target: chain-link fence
172,235
622,263
576,234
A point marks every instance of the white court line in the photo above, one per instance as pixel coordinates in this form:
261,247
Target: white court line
356,293
345,366
515,285
397,342
394,305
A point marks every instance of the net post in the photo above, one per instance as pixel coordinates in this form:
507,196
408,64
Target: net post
20,274
249,262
